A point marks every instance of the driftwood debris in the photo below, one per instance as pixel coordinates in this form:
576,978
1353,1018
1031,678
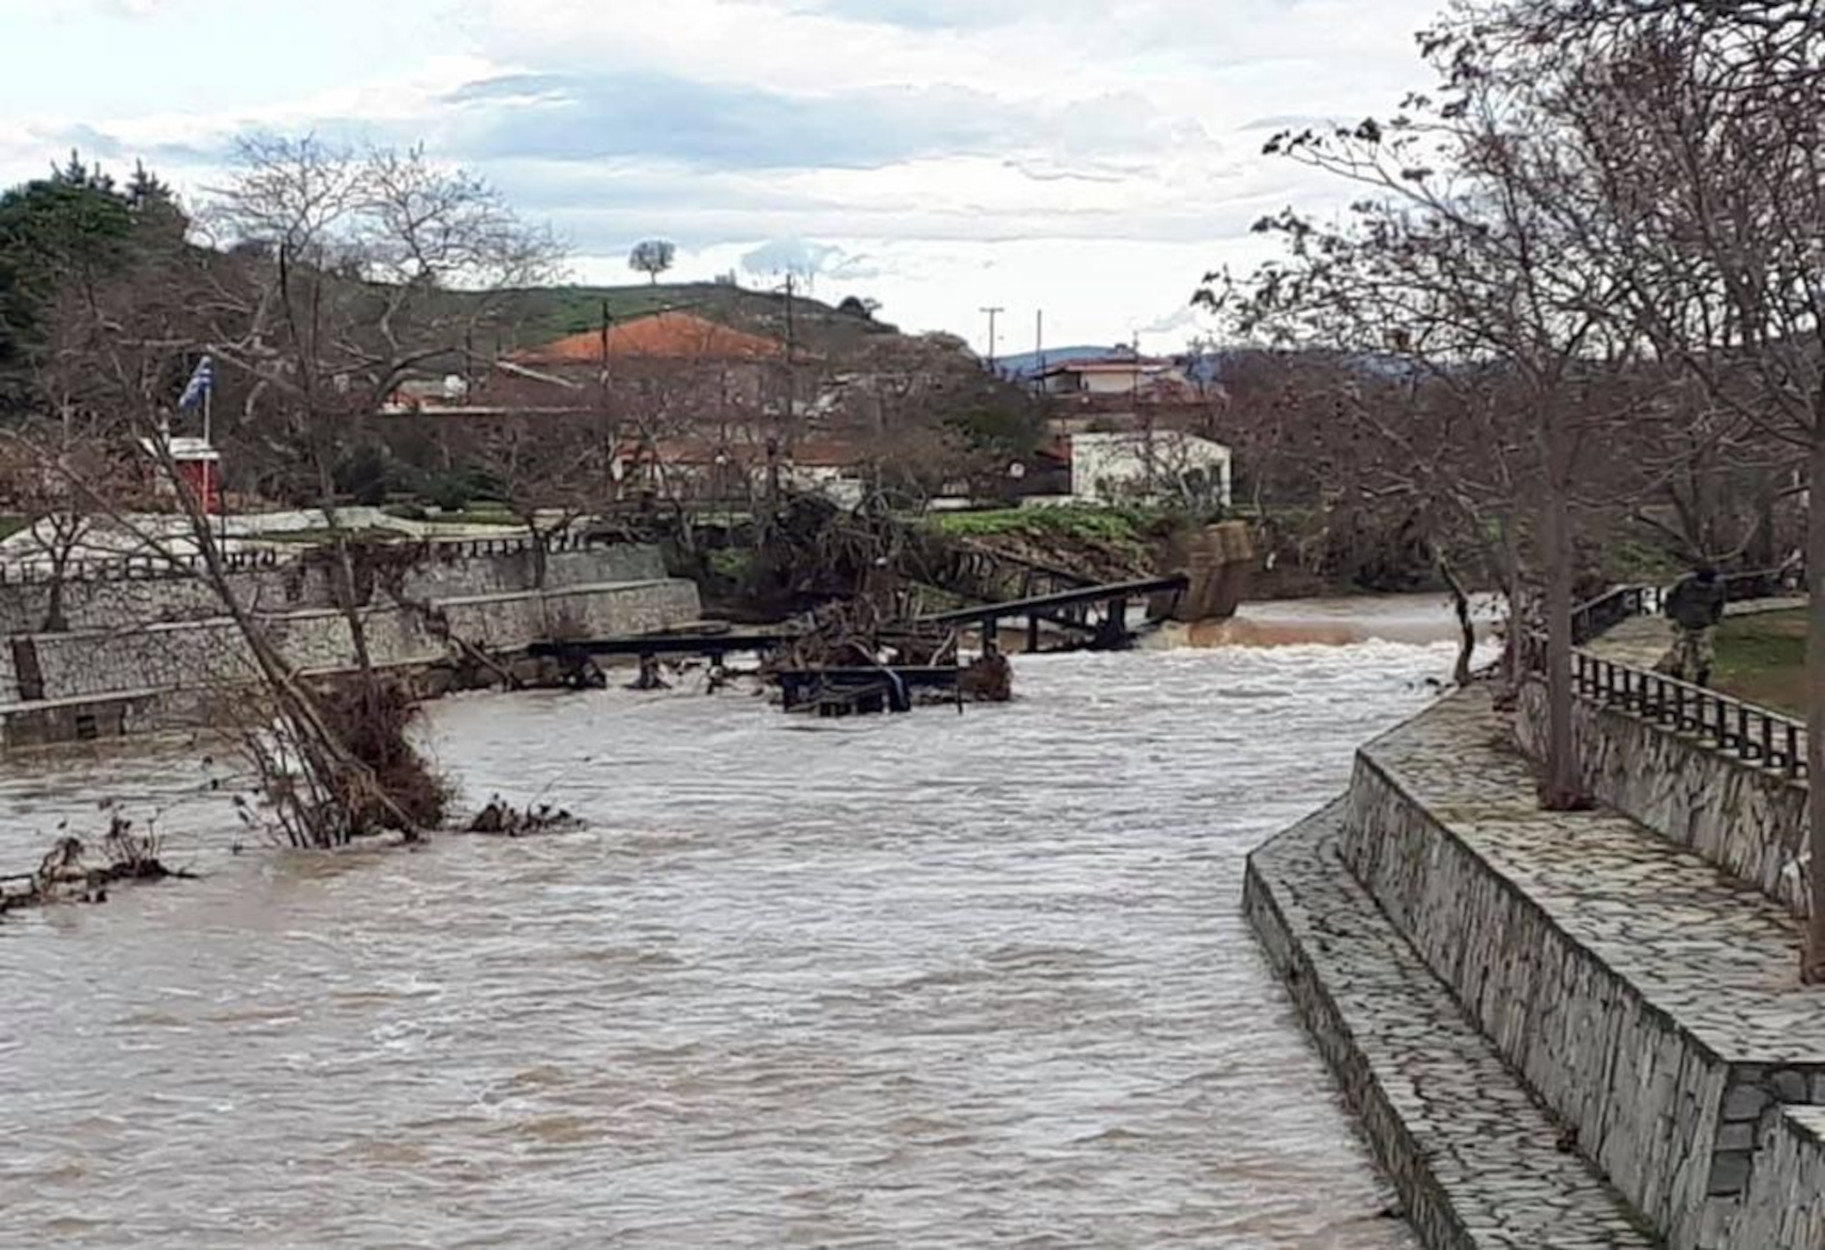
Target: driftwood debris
71,872
505,820
989,678
650,676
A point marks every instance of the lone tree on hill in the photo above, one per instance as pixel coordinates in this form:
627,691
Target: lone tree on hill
652,257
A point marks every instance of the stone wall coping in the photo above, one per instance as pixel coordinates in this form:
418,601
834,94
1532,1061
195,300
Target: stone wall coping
553,592
84,700
1807,1123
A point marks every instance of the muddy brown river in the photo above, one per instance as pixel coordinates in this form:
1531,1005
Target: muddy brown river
929,981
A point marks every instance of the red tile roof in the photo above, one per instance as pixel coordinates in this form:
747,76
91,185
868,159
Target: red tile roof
662,336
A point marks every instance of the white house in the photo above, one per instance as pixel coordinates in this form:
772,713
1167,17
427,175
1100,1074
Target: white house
1149,466
1135,377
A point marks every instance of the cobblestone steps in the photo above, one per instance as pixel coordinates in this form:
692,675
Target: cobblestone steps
1479,1163
1648,998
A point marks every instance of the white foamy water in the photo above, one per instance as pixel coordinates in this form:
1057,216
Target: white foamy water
937,980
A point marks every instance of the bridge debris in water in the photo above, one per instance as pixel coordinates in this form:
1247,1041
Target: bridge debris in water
847,660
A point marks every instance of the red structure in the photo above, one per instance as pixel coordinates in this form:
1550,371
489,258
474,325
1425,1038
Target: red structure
200,465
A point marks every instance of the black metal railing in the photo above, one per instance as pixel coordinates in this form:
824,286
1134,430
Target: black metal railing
1600,615
1593,619
1755,735
1752,734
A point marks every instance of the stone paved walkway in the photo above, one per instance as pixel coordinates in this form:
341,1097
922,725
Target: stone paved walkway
1481,1164
1714,954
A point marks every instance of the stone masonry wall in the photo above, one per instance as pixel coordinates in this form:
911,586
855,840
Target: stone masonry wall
1748,821
1791,1162
443,571
1646,996
195,656
1643,1098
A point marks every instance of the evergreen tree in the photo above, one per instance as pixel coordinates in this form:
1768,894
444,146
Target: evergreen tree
69,228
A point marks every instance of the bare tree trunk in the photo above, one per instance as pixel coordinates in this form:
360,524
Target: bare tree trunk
343,579
1812,960
1764,550
328,761
1460,603
1562,791
54,622
540,565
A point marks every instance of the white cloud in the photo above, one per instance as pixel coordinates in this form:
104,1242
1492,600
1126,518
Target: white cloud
1094,157
135,8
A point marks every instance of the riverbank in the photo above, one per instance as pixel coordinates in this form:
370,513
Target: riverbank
1564,1029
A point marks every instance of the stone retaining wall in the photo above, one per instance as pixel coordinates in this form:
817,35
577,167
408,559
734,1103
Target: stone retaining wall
1643,1096
191,664
1404,1159
438,571
186,654
1748,821
1791,1162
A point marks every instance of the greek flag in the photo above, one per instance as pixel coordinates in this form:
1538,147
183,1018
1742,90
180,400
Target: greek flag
202,381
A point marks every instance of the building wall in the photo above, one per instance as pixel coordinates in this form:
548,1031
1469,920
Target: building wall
1141,466
1110,383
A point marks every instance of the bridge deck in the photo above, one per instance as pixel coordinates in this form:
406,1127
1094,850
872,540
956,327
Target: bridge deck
1042,604
661,644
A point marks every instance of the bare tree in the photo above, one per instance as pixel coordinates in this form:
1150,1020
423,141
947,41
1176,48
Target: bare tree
337,277
1700,132
356,272
1449,266
549,473
39,458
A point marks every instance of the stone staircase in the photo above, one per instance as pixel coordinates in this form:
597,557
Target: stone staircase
1628,1005
1478,1161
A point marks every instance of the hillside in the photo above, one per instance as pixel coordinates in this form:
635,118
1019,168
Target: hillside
550,313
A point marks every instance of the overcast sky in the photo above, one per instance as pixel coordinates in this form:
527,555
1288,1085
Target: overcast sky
1089,157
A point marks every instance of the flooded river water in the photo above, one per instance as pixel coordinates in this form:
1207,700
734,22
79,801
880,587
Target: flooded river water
923,981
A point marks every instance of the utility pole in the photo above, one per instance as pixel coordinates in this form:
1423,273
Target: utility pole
610,434
993,313
1134,379
1039,346
791,355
